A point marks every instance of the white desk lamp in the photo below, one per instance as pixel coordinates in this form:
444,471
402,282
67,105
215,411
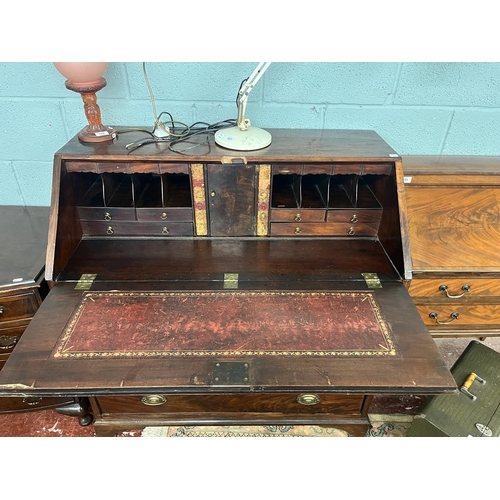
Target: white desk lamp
244,137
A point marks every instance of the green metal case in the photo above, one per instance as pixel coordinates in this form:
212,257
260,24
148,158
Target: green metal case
475,410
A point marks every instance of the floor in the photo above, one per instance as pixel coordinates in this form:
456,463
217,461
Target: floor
401,408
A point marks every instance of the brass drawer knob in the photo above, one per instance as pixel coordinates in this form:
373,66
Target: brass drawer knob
7,342
2,309
308,399
434,316
444,288
154,400
163,216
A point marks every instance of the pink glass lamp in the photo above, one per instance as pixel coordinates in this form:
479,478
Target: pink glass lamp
86,79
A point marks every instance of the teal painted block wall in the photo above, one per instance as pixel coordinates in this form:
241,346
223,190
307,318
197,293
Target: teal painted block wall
418,108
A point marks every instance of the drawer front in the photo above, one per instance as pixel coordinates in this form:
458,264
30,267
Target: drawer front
353,216
460,315
163,229
106,213
453,288
15,307
22,404
247,403
298,215
322,229
165,214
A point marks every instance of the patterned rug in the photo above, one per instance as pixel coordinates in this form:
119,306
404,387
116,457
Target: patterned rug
378,429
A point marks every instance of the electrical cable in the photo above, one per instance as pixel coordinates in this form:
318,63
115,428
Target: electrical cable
178,132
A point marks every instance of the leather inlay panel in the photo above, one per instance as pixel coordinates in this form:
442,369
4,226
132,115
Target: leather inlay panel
232,323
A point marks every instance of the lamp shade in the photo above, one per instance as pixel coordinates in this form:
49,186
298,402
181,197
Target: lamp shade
82,72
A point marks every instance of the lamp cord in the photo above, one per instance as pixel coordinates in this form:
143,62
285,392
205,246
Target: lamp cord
177,132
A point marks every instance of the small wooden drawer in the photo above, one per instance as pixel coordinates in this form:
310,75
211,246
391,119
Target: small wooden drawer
234,403
298,215
163,229
460,315
31,403
165,214
354,216
322,229
19,306
453,288
106,213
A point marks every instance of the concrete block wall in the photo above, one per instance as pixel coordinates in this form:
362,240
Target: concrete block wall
418,108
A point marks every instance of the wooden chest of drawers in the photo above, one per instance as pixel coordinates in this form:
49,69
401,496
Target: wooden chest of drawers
22,287
213,288
454,219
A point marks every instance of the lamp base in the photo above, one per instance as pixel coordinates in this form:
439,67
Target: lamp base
95,131
243,140
100,134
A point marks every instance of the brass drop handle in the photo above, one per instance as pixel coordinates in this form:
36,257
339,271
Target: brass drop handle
7,342
351,231
434,316
32,401
2,309
165,230
354,219
163,216
109,230
444,288
308,399
297,230
154,400
107,216
298,218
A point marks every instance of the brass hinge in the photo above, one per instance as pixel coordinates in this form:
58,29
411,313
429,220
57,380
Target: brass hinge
85,281
231,280
372,280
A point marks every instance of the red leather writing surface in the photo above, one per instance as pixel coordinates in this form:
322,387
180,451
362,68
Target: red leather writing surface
226,323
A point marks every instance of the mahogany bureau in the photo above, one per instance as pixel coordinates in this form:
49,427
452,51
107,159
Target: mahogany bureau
453,207
214,287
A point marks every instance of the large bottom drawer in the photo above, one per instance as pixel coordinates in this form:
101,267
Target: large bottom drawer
303,403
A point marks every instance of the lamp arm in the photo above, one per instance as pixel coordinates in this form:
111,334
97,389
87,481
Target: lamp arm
242,122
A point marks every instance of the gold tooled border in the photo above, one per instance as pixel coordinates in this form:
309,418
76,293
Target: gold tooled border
62,351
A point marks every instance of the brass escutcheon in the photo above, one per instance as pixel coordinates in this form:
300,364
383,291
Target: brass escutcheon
308,399
154,400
